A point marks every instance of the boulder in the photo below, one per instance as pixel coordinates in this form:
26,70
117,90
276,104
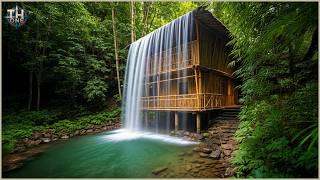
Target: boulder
229,172
65,137
205,135
186,133
206,150
77,132
19,149
159,170
227,152
226,146
82,132
47,135
203,155
89,131
196,149
45,140
33,142
188,167
36,135
215,154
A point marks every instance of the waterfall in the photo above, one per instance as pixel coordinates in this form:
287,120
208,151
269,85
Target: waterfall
160,51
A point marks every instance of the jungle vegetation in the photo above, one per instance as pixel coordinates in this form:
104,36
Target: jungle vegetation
64,70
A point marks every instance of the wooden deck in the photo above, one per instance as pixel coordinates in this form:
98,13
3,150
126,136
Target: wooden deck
186,102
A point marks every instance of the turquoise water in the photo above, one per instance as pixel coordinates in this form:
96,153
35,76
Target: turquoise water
112,154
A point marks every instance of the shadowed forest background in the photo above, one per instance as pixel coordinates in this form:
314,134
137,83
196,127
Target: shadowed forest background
64,69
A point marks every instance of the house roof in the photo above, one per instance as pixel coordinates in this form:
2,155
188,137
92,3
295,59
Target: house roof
207,19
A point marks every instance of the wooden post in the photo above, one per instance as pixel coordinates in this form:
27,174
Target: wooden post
145,120
198,122
176,121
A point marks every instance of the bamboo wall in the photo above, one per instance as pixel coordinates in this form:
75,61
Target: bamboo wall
209,81
213,51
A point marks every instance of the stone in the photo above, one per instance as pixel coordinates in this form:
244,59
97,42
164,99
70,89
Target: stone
215,154
77,132
182,154
199,137
65,137
196,149
89,131
206,150
226,146
186,133
197,166
203,155
227,152
54,139
188,167
82,132
229,172
159,170
205,135
19,149
45,140
36,135
47,135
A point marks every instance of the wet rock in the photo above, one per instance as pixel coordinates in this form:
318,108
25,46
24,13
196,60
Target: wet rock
159,170
45,140
89,131
203,155
206,150
182,154
65,137
186,133
104,128
215,154
36,135
227,152
55,139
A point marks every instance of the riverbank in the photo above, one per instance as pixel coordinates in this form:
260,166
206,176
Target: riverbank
211,158
28,148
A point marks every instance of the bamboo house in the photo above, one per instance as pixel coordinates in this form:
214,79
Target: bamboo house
188,72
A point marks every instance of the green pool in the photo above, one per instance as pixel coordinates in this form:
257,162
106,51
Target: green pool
113,154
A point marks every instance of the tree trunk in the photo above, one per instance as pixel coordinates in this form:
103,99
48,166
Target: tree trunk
146,8
116,50
133,34
30,88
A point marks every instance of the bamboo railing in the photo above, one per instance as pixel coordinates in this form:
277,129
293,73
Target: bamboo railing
184,102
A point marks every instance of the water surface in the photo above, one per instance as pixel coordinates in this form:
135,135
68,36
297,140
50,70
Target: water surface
110,154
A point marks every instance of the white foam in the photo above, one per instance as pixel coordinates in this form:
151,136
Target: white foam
127,135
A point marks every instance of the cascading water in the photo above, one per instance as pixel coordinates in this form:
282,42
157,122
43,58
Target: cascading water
148,57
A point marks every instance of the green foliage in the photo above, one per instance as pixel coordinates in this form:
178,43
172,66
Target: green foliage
275,52
22,125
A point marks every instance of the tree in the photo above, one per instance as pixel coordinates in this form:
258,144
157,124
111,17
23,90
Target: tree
116,49
274,47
